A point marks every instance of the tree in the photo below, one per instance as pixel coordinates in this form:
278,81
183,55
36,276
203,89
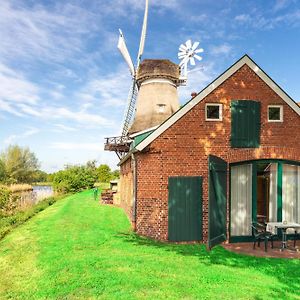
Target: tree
115,174
39,176
2,171
104,173
74,179
20,164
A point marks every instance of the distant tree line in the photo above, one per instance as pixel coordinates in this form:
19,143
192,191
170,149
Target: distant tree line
77,178
20,165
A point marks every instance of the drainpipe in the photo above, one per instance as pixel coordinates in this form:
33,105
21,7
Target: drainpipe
134,204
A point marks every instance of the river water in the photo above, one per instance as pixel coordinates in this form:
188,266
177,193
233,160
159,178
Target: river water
42,191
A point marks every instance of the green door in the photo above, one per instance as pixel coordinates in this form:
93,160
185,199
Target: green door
185,209
217,201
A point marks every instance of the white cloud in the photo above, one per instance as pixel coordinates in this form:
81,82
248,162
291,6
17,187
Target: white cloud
224,49
109,90
7,107
281,4
270,21
43,33
16,137
15,88
64,113
78,146
243,18
63,128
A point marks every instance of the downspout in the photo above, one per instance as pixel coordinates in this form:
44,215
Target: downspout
134,202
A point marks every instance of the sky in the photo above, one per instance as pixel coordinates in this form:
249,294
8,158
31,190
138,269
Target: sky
64,84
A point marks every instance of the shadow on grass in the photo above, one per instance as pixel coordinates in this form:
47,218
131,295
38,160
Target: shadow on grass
286,271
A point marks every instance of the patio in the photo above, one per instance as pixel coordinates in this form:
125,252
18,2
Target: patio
247,248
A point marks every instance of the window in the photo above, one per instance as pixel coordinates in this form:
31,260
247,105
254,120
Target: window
275,113
213,112
161,108
245,124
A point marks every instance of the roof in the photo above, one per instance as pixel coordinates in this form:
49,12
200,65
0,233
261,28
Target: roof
160,68
245,60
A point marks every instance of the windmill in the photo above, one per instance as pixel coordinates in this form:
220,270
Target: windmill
133,91
153,95
121,144
188,53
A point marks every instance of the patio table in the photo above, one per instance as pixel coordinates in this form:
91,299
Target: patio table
273,226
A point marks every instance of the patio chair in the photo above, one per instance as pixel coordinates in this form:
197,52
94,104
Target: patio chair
261,234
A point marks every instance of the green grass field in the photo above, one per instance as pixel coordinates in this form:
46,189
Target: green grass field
78,249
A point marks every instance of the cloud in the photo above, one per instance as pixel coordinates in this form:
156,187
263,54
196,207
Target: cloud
16,137
243,18
223,49
63,128
78,146
15,88
281,4
109,90
269,21
64,113
41,33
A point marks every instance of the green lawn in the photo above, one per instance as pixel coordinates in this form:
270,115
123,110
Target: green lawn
78,249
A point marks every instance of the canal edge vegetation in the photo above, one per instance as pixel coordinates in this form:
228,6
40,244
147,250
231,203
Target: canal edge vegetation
10,222
20,174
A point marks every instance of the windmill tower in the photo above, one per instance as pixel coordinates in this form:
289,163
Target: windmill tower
153,93
157,99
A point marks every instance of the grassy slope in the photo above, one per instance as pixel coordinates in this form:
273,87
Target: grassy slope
77,249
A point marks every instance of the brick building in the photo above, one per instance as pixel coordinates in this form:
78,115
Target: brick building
229,156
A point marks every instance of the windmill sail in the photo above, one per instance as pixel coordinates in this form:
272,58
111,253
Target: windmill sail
143,35
125,53
132,96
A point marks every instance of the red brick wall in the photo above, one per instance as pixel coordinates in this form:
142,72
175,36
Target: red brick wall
126,187
183,149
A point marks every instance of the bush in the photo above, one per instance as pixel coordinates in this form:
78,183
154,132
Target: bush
74,179
5,195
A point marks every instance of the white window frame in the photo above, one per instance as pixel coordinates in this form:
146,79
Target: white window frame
280,111
220,111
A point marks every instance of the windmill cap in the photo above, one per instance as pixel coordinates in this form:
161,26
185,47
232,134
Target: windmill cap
157,68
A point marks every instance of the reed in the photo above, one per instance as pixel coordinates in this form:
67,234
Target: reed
16,188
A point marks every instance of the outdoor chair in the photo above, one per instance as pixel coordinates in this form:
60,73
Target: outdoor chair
261,234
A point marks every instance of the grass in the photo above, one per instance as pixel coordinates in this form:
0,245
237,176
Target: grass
78,249
9,222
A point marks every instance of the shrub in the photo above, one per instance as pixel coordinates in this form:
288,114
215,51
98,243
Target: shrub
74,179
5,195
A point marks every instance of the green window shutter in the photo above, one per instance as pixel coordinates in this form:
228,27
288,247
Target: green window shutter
245,124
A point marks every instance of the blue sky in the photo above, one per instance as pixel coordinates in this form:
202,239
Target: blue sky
64,85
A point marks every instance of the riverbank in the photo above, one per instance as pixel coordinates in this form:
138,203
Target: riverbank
9,222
